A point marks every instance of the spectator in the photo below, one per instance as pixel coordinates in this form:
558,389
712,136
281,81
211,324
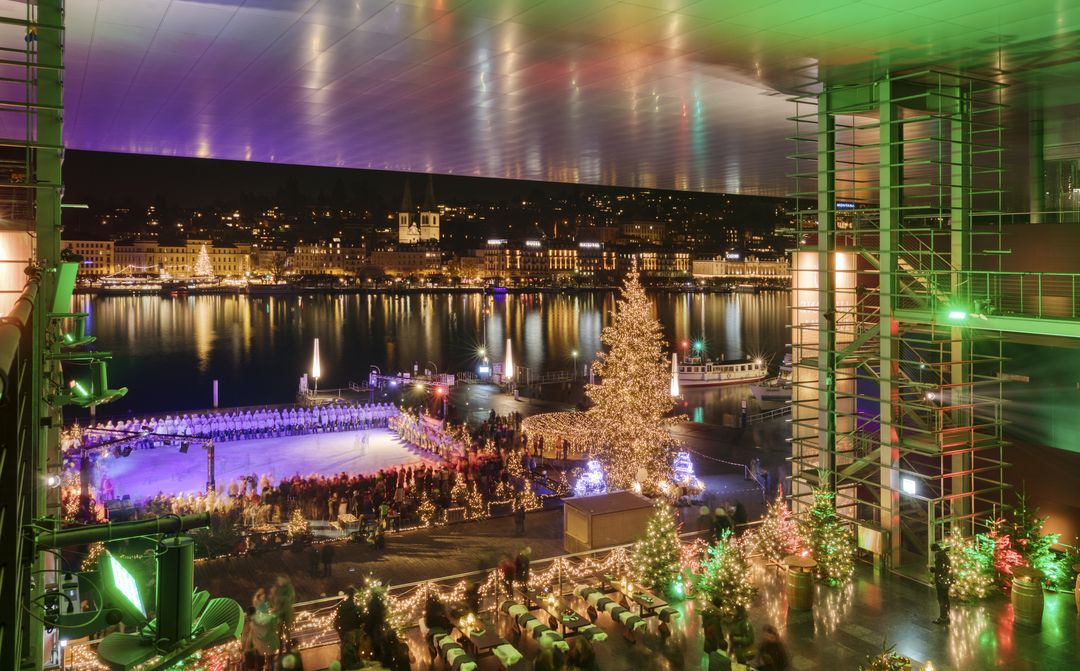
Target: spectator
347,624
772,655
328,559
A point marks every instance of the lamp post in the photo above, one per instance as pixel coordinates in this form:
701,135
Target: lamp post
574,354
374,373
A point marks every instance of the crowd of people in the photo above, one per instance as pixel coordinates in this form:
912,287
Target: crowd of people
388,500
728,642
224,426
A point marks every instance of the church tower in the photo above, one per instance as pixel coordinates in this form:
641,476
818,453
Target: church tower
429,216
408,232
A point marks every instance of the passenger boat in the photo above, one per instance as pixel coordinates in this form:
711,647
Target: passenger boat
698,372
775,388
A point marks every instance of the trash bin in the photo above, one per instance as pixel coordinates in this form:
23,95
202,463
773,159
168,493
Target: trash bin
800,582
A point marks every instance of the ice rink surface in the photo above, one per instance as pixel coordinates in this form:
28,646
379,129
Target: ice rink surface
164,469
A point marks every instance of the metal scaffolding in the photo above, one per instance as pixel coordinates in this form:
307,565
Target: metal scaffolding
31,153
902,416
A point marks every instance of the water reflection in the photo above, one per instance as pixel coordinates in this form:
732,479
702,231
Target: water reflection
167,351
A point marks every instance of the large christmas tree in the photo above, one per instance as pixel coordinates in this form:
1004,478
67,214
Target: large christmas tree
829,538
658,553
725,575
778,534
203,267
629,406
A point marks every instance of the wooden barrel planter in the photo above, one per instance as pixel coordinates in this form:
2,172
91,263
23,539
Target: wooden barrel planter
1027,596
1076,588
800,582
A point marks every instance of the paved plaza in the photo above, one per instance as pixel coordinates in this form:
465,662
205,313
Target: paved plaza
846,624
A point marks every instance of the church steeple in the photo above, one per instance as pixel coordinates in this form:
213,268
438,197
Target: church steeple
429,197
408,231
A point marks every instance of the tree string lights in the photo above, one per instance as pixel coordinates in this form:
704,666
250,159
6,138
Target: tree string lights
203,267
475,506
972,566
298,525
778,534
725,575
658,554
426,511
628,417
829,538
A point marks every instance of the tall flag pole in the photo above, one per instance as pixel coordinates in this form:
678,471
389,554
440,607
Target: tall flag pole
316,369
674,375
508,367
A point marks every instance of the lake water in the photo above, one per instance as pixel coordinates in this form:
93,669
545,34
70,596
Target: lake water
167,351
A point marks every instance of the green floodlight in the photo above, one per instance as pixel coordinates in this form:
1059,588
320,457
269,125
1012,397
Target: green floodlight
123,583
957,314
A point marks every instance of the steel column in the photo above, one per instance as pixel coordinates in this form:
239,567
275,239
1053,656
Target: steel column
960,160
826,273
890,177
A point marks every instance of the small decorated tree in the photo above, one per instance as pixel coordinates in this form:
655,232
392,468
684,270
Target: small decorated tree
778,534
475,508
972,566
725,575
528,497
829,538
1026,530
886,660
657,555
298,526
459,491
426,511
998,546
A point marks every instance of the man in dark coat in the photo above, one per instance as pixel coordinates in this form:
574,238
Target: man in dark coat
942,571
347,624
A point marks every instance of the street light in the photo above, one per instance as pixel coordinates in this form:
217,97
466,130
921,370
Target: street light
574,354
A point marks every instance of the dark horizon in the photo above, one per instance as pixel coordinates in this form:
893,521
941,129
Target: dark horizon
109,178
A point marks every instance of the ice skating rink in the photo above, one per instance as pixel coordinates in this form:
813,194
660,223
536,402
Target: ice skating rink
164,469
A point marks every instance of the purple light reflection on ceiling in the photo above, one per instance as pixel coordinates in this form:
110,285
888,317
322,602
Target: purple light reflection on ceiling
565,91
